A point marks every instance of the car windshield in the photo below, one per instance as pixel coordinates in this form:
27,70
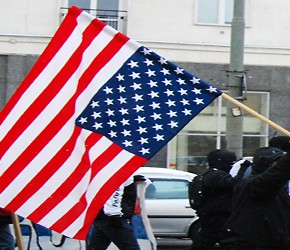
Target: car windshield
167,189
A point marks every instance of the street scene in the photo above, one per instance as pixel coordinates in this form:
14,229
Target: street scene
144,125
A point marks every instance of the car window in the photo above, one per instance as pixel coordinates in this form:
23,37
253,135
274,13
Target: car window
167,189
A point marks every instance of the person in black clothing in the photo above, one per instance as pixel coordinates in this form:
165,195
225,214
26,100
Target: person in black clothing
218,187
7,241
283,142
260,217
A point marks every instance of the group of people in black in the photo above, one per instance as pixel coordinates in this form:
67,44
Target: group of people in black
251,208
246,208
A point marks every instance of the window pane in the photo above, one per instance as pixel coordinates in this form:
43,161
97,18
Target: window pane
108,12
229,9
205,121
83,4
258,102
167,189
208,11
251,144
108,4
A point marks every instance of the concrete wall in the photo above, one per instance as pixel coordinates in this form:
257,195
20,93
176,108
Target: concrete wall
13,69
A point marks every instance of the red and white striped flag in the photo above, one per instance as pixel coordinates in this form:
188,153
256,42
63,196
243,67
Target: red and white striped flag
93,109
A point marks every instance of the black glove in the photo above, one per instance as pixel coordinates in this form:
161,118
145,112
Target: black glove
246,164
115,221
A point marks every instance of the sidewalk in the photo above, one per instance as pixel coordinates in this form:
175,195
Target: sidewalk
69,244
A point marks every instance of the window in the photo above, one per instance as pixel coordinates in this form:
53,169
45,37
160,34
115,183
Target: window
84,4
108,4
215,11
99,4
167,189
207,131
105,10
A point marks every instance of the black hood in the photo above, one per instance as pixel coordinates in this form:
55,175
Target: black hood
264,158
282,142
221,159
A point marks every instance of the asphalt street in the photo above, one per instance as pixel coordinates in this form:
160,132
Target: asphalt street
176,244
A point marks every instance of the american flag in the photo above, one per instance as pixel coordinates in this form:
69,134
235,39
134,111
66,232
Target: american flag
95,107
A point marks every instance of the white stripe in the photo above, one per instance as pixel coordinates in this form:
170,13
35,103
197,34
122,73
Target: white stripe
44,78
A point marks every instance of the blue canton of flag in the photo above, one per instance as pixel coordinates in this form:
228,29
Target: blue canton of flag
146,103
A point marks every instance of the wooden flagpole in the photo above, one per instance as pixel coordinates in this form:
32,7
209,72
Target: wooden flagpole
256,114
17,231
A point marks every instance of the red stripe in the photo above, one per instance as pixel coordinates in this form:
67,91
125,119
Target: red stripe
50,92
60,37
106,191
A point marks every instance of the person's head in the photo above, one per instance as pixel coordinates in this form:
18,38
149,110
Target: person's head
221,159
282,142
264,158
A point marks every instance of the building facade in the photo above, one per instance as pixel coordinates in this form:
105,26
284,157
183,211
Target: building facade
196,35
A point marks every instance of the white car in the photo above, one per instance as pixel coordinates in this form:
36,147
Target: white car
167,203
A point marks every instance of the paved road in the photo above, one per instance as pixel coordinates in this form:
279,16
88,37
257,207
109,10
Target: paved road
176,244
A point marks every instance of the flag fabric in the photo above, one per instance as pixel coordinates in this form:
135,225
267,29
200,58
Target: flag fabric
95,107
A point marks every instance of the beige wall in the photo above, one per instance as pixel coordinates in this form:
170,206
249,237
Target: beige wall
166,26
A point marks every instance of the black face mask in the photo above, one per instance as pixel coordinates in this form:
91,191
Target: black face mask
221,159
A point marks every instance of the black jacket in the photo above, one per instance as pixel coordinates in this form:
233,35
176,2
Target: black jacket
218,186
261,210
